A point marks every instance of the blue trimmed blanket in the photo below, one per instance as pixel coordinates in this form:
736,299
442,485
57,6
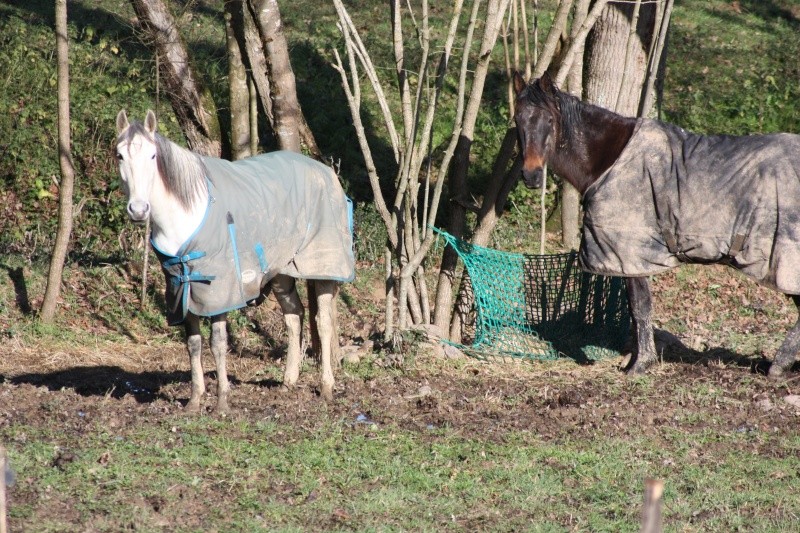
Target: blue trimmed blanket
277,213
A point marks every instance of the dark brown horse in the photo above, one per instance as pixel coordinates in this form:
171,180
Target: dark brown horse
656,196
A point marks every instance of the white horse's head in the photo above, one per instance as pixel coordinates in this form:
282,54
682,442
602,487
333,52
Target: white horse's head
163,181
138,164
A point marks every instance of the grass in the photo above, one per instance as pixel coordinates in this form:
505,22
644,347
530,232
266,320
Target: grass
738,70
266,476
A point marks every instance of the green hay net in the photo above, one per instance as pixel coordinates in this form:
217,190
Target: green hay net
541,306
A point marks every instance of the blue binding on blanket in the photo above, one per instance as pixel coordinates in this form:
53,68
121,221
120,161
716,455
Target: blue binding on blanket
277,213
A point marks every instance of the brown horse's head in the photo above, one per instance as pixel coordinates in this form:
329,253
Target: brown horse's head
537,115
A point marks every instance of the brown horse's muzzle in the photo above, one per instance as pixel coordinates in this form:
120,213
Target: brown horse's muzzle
533,179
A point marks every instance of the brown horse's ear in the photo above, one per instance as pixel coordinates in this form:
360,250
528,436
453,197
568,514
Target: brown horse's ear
519,82
547,85
150,122
122,121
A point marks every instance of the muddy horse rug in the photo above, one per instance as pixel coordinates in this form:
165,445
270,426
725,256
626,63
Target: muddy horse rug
674,196
277,213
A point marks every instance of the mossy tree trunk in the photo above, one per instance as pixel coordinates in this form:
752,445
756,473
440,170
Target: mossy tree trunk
241,141
289,124
194,109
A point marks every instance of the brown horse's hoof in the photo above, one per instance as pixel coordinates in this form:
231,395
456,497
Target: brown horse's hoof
637,367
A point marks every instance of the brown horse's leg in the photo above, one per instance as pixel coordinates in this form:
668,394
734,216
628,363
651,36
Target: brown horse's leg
285,290
641,309
789,348
219,347
194,344
312,318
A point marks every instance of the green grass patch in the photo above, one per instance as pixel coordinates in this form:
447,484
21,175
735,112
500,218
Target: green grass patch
266,476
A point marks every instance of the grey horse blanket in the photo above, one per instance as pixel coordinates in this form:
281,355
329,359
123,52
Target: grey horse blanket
674,197
277,213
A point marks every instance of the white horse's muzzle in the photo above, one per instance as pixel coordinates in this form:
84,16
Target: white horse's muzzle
138,210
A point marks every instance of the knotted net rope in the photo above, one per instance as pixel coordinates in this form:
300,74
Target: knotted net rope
541,306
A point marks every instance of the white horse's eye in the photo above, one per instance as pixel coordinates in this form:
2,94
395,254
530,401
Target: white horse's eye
119,156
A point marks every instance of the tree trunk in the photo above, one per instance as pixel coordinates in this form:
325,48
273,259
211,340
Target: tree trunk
237,82
570,197
67,169
501,182
194,110
257,63
607,66
290,125
457,182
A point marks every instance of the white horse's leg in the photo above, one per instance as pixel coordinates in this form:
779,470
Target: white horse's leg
219,347
285,291
194,344
326,291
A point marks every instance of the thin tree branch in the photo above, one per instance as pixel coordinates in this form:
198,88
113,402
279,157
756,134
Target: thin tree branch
580,39
549,50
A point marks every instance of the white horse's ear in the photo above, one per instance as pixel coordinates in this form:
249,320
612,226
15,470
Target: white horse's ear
150,122
122,121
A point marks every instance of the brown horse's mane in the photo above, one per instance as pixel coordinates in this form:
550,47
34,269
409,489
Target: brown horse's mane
590,138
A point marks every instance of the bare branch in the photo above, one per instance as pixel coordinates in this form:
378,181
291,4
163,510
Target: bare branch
655,61
559,23
626,70
355,111
361,51
580,39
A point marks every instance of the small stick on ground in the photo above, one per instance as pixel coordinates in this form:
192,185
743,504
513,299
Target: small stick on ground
3,465
651,513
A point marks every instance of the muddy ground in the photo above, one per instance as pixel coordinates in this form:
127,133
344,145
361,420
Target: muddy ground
698,382
479,399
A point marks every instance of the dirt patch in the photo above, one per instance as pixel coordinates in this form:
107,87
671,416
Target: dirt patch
478,399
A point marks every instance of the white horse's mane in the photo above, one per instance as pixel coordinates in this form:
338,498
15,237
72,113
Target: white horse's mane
181,170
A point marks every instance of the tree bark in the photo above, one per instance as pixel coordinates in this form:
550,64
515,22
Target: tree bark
458,175
195,111
66,187
290,125
257,63
501,182
237,82
606,57
570,197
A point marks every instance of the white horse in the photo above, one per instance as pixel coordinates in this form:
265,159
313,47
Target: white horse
181,191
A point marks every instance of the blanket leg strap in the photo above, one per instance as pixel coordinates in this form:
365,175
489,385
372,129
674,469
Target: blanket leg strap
736,246
672,245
